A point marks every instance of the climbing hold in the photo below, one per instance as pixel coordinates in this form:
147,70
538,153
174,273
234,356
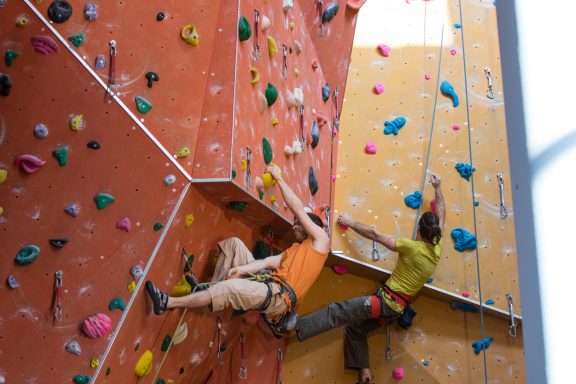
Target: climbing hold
465,294
151,77
12,283
183,288
272,47
453,52
265,23
61,154
321,119
9,57
160,16
258,183
465,170
255,75
292,26
96,325
273,199
59,11
3,175
239,206
183,152
90,12
297,47
189,34
73,347
137,346
188,220
330,11
233,174
76,122
425,363
429,280
262,102
124,224
414,200
482,344
180,334
456,127
384,50
315,133
466,307
29,163
275,121
325,92
355,4
136,272
102,200
72,209
44,44
463,240
339,269
93,145
298,97
448,90
22,20
427,76
271,94
489,302
261,194
392,127
296,72
5,84
378,88
27,254
457,26
142,105
169,180
94,362
290,102
157,226
315,64
267,151
59,243
244,30
370,148
288,151
116,303
398,373
79,379
78,39
297,146
131,286
268,180
144,364
287,5
41,131
166,343
100,62
312,181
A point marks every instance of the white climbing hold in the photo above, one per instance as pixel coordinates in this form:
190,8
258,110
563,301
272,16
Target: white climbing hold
265,23
298,96
287,5
297,47
288,151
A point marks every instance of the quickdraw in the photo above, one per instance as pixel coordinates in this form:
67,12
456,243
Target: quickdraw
248,170
490,91
512,327
284,65
58,296
302,138
243,374
257,55
279,371
112,69
336,119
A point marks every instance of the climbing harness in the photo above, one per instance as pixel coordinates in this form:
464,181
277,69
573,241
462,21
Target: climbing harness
279,371
58,296
512,327
490,91
257,55
243,374
112,69
302,138
284,65
503,209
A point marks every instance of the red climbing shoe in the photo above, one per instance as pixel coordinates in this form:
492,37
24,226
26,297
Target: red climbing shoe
159,298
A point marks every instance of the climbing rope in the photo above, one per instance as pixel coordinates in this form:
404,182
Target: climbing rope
243,374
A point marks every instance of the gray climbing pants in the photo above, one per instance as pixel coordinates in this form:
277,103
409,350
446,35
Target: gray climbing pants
356,314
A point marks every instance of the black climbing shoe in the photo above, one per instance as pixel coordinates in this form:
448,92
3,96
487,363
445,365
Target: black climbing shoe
195,284
288,323
159,298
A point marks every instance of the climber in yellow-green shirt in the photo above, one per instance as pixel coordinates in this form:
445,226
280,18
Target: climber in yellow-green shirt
417,260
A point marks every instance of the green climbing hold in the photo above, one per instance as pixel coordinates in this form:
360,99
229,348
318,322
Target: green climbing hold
239,206
157,227
61,154
160,381
108,370
233,174
166,343
27,254
103,200
261,194
9,57
116,303
78,39
244,31
267,149
142,105
271,94
80,379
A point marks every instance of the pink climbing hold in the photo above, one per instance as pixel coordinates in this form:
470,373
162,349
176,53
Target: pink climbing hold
384,50
456,127
333,178
370,148
97,325
427,76
378,88
398,373
29,163
453,52
339,269
465,294
124,224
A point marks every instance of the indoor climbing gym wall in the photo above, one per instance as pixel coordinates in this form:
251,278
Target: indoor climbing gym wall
424,94
133,139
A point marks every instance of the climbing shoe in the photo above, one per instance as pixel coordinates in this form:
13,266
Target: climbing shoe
195,284
159,298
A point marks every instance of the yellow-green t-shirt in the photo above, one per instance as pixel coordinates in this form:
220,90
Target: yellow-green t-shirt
416,263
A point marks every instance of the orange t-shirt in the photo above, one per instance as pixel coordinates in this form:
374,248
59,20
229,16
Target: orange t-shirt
300,266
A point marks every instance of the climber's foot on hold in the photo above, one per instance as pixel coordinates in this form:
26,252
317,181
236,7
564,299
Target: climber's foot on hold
159,298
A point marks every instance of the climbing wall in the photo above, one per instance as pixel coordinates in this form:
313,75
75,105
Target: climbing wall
402,52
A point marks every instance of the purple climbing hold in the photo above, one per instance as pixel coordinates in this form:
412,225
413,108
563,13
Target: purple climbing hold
124,224
5,84
90,12
12,283
136,272
41,131
100,62
72,209
73,347
29,163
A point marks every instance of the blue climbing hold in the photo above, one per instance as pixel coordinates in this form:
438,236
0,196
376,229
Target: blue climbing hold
465,170
414,200
448,90
463,240
325,92
466,307
315,133
476,203
72,209
330,11
457,26
489,302
429,280
479,345
392,127
312,181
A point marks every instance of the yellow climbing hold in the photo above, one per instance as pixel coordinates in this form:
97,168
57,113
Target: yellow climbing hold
273,198
189,34
183,152
131,286
292,25
182,288
76,123
1,211
3,175
268,180
244,165
255,74
272,47
144,364
94,362
296,72
189,220
275,121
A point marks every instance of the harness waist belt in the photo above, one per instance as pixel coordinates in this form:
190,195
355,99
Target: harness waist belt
398,297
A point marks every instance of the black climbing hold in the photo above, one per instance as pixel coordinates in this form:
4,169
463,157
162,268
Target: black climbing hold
59,11
59,243
5,84
315,133
312,181
329,13
325,92
166,343
157,227
181,370
93,145
160,16
151,77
